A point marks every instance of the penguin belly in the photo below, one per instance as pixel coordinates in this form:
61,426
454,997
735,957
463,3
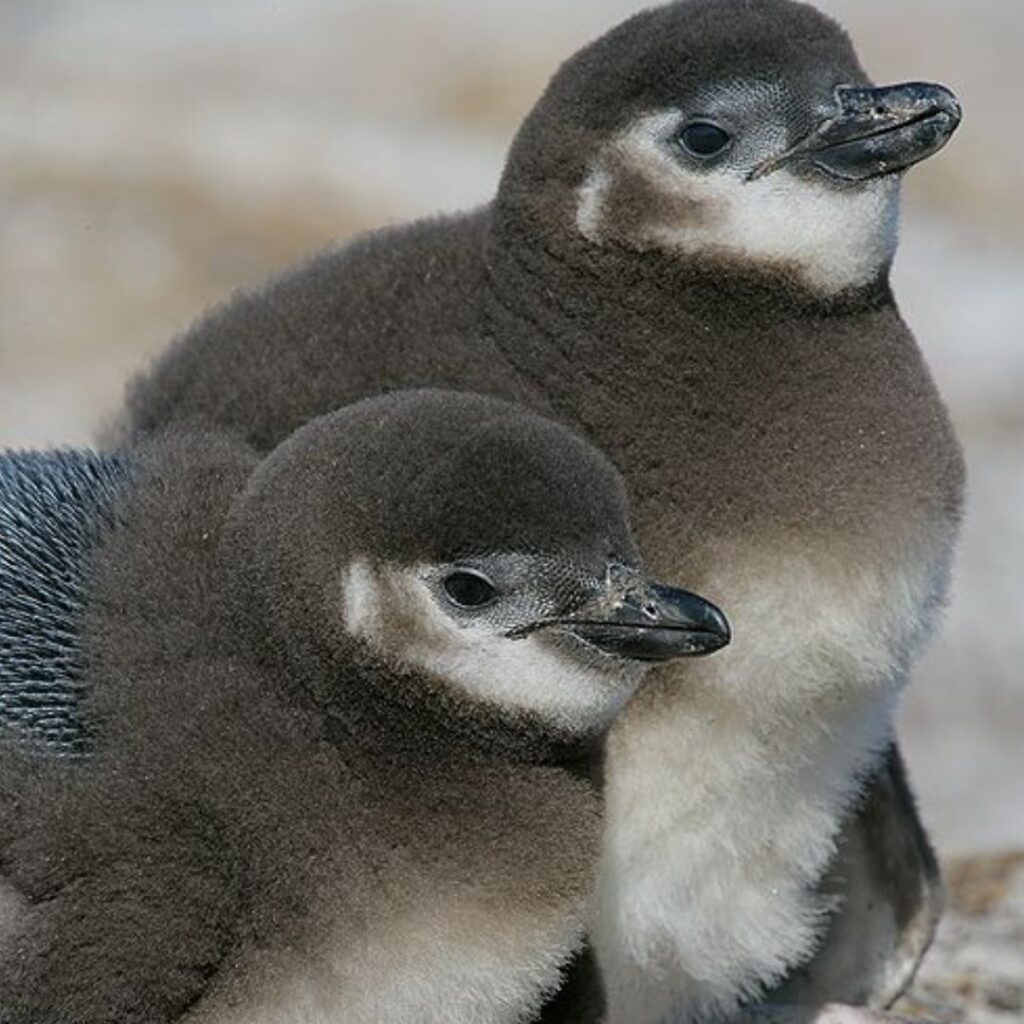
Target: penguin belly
453,960
709,897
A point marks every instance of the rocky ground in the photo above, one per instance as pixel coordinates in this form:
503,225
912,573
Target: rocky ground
974,972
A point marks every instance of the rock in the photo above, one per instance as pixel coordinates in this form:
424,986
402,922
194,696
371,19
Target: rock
974,972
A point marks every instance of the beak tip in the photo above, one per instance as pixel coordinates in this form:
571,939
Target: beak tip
944,101
721,626
877,130
659,624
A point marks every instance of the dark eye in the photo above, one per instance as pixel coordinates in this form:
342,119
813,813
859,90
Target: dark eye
704,139
469,589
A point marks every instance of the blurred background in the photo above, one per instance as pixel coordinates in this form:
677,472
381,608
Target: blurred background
154,156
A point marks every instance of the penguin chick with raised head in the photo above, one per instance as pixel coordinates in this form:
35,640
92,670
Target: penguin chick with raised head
687,259
342,705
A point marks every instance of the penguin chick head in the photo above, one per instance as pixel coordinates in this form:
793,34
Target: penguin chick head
467,542
738,131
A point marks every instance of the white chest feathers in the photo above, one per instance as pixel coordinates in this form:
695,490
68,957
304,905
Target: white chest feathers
456,961
728,781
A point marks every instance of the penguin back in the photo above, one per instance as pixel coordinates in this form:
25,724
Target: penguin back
54,505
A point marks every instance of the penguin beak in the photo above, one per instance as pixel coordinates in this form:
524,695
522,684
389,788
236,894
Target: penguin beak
875,131
634,618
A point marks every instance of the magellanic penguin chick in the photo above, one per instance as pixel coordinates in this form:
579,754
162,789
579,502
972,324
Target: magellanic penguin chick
342,707
687,259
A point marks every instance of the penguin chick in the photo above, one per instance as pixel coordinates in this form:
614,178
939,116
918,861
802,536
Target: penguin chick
343,702
687,260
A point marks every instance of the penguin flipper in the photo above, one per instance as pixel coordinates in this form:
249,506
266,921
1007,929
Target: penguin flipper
125,942
886,881
117,901
53,506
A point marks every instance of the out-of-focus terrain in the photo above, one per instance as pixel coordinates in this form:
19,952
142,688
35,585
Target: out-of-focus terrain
974,972
155,156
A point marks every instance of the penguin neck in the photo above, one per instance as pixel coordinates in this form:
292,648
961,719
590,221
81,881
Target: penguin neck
362,697
339,678
582,278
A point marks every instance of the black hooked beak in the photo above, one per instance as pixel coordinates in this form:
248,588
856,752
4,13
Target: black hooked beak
632,617
875,131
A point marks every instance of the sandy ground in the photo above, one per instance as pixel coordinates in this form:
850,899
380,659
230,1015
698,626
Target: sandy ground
155,156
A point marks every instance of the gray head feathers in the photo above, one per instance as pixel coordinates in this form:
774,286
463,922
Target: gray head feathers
741,135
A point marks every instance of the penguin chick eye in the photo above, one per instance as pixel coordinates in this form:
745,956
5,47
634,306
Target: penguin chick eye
702,138
470,589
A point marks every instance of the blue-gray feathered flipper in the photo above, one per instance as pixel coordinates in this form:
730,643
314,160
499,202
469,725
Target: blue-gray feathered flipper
53,507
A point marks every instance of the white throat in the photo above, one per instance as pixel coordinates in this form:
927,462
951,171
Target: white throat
833,238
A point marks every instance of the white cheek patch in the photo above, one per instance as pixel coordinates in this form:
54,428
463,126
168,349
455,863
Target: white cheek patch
590,204
834,238
361,599
396,611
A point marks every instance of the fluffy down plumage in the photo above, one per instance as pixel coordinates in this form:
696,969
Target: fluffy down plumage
282,818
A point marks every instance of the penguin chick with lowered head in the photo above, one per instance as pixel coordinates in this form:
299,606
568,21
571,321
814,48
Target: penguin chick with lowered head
687,258
342,704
